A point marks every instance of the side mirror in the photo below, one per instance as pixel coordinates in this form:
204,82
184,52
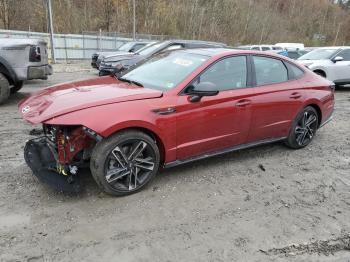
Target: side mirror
202,89
132,50
337,59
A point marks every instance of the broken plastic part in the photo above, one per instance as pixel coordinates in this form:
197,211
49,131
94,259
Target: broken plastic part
42,162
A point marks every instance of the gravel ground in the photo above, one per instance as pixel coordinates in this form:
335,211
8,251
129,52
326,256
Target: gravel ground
268,203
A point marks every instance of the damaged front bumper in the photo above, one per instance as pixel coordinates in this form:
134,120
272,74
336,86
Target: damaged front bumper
41,156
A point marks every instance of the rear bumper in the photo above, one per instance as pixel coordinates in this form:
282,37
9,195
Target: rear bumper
39,72
40,156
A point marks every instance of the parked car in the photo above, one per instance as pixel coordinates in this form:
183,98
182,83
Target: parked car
21,59
295,54
291,46
119,63
128,47
261,47
175,108
332,63
267,48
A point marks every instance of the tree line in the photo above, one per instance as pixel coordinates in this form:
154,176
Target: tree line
313,22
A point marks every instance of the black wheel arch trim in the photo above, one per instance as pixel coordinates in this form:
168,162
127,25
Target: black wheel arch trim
7,70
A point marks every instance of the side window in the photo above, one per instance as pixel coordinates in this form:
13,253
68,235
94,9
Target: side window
269,70
295,71
265,48
345,54
255,48
228,73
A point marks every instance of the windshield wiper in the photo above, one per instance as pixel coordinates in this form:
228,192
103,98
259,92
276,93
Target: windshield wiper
130,81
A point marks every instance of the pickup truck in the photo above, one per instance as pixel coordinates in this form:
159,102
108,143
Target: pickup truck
20,60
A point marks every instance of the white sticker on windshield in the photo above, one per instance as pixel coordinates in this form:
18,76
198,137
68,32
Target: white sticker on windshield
169,85
182,62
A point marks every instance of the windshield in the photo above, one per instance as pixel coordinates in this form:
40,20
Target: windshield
126,47
319,54
166,70
149,50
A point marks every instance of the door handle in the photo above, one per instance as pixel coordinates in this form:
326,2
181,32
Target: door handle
243,102
295,95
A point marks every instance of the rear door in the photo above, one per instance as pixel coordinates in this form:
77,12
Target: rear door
278,96
215,122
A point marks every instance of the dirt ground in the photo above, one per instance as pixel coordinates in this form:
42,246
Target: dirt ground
268,203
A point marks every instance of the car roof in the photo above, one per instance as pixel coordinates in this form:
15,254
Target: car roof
182,41
226,51
21,41
139,42
333,47
207,51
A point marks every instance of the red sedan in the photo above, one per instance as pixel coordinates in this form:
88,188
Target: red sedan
174,108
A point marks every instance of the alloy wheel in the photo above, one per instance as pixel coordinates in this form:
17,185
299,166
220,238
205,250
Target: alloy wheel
306,128
129,165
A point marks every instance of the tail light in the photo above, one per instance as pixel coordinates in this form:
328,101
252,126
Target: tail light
34,54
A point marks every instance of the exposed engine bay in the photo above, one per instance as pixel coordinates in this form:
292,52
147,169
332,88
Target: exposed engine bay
56,157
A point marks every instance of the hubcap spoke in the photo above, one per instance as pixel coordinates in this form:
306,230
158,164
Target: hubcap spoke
305,118
299,130
120,156
145,164
140,147
301,138
312,119
116,173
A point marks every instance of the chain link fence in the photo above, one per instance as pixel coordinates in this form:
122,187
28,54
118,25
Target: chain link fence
82,46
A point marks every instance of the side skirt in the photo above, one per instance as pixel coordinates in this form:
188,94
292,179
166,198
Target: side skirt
224,151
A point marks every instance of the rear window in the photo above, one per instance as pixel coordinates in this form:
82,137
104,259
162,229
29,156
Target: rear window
269,70
295,72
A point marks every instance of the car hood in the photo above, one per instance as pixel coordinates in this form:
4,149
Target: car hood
113,53
69,97
113,58
310,62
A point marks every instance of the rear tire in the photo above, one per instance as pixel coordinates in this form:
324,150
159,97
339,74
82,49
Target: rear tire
16,87
303,129
4,88
125,162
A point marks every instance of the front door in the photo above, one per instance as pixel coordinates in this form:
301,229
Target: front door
342,68
215,122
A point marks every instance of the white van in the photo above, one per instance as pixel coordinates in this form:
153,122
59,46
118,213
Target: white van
291,46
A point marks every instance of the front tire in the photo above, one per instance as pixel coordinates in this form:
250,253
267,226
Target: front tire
16,87
303,129
4,88
125,162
